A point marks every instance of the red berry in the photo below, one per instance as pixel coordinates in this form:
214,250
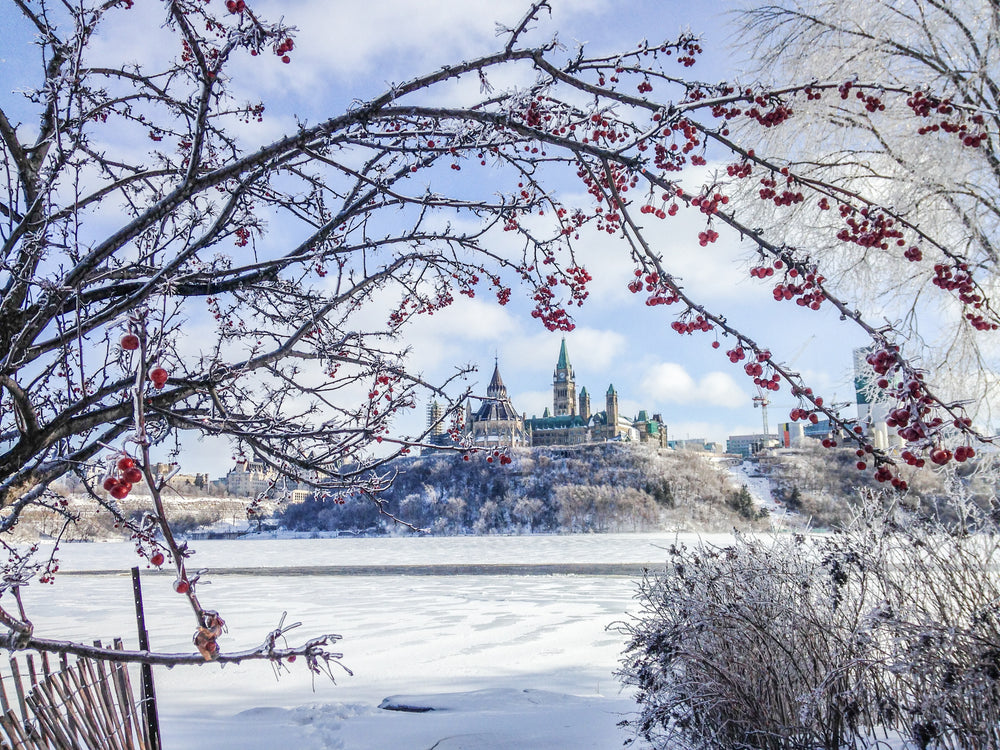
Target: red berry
130,342
132,475
110,483
159,376
157,559
181,586
940,456
120,491
125,463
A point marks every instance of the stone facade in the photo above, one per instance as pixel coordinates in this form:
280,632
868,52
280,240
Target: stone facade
571,421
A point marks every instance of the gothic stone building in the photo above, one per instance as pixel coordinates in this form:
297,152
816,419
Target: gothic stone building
571,421
496,423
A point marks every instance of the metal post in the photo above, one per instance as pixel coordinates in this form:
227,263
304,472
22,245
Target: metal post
148,691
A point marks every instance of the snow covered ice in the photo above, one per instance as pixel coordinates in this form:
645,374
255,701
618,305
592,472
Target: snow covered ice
503,661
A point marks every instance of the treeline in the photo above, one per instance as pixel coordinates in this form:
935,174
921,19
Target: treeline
596,488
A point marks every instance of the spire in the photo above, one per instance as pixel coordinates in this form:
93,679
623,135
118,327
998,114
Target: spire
563,363
496,388
611,389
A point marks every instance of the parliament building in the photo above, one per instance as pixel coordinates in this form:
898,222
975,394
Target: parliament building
496,423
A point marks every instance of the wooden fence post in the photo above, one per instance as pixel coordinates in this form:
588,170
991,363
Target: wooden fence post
148,692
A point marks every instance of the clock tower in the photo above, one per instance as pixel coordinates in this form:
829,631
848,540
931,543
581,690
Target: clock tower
563,385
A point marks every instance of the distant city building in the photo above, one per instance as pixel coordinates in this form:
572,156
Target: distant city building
792,434
873,403
696,444
435,423
750,445
250,478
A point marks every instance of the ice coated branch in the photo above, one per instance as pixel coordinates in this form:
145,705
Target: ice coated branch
315,652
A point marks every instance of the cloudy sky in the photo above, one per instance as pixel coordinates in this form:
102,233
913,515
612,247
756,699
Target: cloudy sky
348,51
352,50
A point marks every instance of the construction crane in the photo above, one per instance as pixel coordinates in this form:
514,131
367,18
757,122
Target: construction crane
761,400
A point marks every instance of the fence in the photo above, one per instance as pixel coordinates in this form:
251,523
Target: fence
83,704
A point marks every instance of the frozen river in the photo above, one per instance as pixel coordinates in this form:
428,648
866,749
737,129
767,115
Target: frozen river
508,660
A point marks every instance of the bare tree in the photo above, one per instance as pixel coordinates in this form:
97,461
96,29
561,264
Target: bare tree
292,248
947,54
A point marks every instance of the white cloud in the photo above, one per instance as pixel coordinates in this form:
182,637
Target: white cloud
669,382
394,37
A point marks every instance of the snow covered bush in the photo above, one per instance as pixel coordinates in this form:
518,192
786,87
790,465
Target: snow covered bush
883,629
751,646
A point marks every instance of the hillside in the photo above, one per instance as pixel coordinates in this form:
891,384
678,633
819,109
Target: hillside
593,488
825,487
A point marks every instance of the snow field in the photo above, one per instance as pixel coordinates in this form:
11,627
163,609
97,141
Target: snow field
505,661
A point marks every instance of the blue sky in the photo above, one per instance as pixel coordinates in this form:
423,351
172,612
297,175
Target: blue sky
347,51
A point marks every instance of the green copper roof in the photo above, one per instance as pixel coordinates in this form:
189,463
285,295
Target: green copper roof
563,363
611,389
556,423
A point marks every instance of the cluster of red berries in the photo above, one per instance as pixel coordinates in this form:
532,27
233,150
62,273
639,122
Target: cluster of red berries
805,415
659,213
690,326
800,293
236,6
772,117
709,203
883,360
659,298
740,170
709,235
875,229
959,280
282,50
784,198
119,484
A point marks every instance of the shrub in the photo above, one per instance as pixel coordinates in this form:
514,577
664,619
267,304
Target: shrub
822,641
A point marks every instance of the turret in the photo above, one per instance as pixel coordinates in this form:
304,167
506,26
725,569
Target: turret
584,404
